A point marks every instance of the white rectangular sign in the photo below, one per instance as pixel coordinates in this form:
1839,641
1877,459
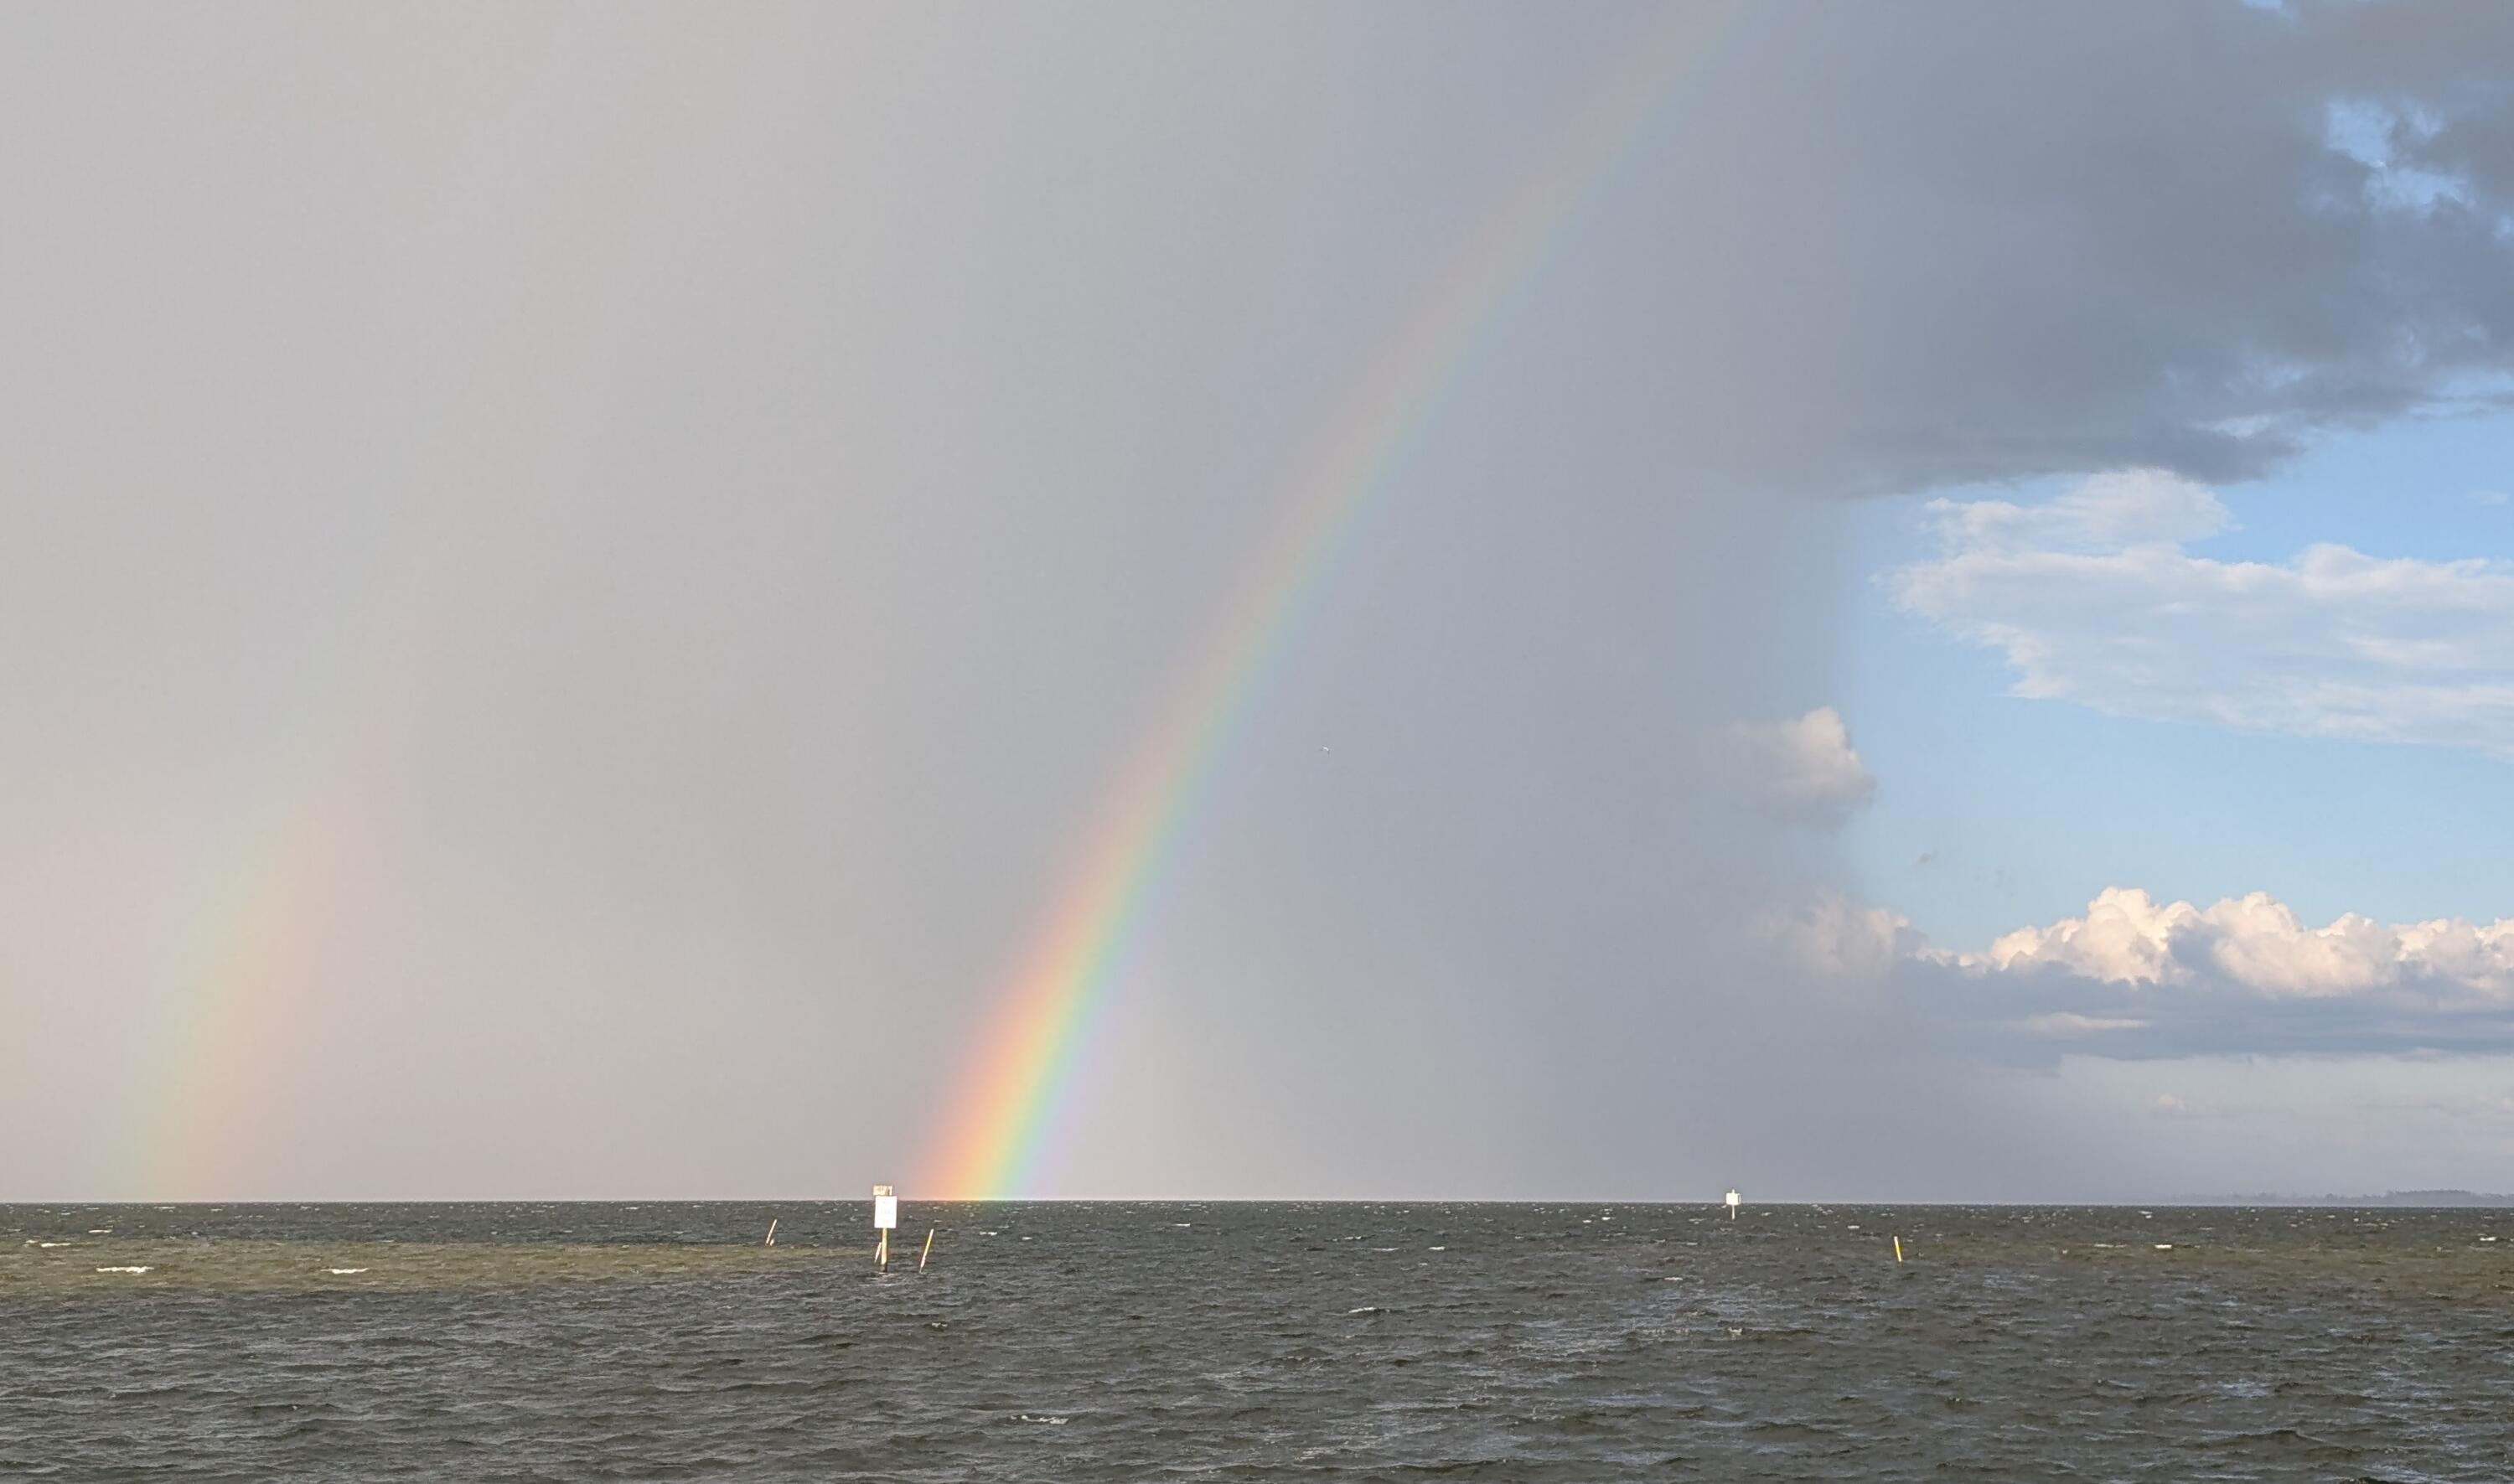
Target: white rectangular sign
885,1208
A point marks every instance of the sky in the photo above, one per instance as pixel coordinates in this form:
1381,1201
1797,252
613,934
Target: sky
1904,603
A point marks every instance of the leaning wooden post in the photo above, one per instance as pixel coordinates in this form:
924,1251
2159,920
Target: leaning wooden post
928,1252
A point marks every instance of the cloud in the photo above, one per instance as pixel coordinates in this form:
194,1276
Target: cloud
1803,769
2092,284
2255,943
2133,978
2095,599
1836,938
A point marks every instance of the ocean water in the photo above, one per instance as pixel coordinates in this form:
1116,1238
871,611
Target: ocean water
1251,1342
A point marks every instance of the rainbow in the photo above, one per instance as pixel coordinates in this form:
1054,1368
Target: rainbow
257,944
246,967
1018,1075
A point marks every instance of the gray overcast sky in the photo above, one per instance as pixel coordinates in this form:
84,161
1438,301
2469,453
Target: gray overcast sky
571,574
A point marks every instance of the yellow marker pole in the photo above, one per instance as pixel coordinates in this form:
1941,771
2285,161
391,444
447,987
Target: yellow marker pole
928,1252
1899,1249
772,1233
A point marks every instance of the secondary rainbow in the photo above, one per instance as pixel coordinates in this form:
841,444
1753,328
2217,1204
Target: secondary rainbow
1019,1071
250,956
244,967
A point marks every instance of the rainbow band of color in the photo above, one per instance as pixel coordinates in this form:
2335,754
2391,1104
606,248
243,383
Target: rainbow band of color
1021,1070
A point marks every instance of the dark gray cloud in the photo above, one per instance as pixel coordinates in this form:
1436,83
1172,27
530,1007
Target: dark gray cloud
2037,1014
570,578
1905,246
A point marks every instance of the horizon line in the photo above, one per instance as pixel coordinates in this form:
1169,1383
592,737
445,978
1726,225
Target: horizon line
2395,1199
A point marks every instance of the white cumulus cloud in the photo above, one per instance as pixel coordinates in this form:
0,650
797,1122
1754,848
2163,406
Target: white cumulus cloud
2095,597
2136,977
1804,767
2258,944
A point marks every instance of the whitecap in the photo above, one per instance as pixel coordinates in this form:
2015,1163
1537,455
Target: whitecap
2164,1246
342,1272
1368,1308
122,1269
53,1244
1050,1421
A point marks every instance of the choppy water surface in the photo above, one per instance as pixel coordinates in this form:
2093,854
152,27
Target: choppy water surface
1255,1341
